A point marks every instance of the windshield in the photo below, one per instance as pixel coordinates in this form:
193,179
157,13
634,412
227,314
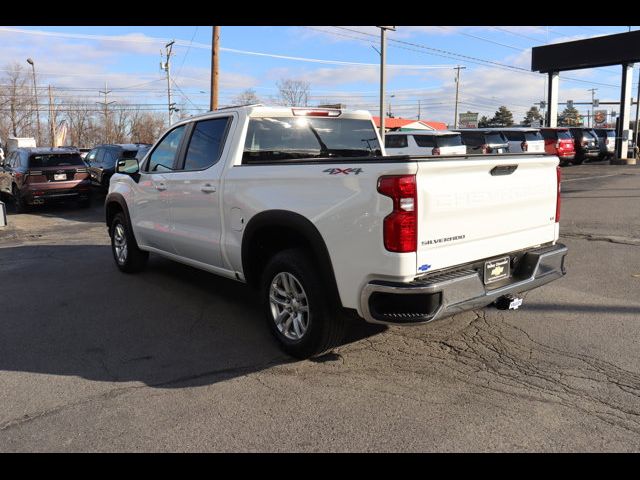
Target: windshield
288,138
449,140
55,160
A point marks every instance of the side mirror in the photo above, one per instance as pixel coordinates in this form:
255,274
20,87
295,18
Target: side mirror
128,166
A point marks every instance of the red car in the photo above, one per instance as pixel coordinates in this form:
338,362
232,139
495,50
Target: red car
558,141
33,176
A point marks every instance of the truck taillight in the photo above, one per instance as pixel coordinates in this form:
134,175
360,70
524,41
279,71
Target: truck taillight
524,146
435,151
401,225
559,177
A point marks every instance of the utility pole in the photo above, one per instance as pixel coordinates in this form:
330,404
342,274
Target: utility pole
635,130
35,96
418,109
105,106
455,119
215,55
166,66
383,31
593,92
52,125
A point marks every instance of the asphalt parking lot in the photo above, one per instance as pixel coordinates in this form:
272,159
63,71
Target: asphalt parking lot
175,359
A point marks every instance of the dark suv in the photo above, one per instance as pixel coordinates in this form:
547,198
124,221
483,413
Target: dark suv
586,144
33,176
482,141
103,158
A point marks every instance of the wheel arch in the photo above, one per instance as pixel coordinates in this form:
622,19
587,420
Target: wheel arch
275,230
114,204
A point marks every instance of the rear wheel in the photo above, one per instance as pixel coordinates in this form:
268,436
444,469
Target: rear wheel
297,308
129,258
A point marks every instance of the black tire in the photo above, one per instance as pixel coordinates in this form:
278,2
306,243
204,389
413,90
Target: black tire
134,260
577,161
19,203
326,325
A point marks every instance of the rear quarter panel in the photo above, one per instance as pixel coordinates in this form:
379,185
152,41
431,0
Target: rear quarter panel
346,209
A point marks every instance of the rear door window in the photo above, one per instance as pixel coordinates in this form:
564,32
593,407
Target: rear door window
564,135
206,143
395,141
425,141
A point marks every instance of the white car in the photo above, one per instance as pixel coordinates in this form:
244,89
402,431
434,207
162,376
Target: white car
428,142
524,139
302,204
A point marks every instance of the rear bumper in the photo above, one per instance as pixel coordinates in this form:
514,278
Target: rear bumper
38,193
444,294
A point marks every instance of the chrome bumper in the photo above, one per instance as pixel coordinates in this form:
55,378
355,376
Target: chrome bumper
444,294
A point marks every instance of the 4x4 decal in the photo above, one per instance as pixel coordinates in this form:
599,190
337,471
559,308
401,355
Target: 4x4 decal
345,171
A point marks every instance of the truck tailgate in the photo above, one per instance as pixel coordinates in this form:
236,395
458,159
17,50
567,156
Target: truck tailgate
470,209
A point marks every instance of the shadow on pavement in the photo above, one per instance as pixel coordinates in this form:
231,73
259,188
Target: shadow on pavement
67,310
67,209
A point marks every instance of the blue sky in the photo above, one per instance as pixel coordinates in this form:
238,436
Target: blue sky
77,61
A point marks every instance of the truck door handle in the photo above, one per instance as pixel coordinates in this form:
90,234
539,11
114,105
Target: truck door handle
160,186
208,188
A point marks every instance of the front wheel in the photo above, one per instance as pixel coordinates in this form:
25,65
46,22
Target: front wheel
297,308
129,258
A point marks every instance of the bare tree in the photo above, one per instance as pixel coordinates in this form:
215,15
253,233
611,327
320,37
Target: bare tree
146,127
16,100
121,127
79,117
247,97
294,93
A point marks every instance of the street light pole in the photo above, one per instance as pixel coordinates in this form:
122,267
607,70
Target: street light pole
35,95
455,119
382,62
593,92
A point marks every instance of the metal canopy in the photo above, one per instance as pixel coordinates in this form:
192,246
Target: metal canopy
590,53
621,49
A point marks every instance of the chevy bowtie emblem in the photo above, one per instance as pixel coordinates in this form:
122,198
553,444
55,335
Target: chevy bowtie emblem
497,271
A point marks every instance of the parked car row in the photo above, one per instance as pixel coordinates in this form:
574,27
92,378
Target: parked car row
571,145
33,176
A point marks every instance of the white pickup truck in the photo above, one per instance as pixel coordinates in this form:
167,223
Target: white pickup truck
303,205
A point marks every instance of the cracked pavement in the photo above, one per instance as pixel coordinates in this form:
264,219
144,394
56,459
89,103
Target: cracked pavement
175,359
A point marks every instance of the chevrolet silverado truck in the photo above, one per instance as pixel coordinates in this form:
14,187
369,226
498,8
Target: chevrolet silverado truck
303,205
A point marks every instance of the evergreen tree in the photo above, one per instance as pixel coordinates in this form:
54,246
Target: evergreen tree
532,115
570,117
503,117
483,122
